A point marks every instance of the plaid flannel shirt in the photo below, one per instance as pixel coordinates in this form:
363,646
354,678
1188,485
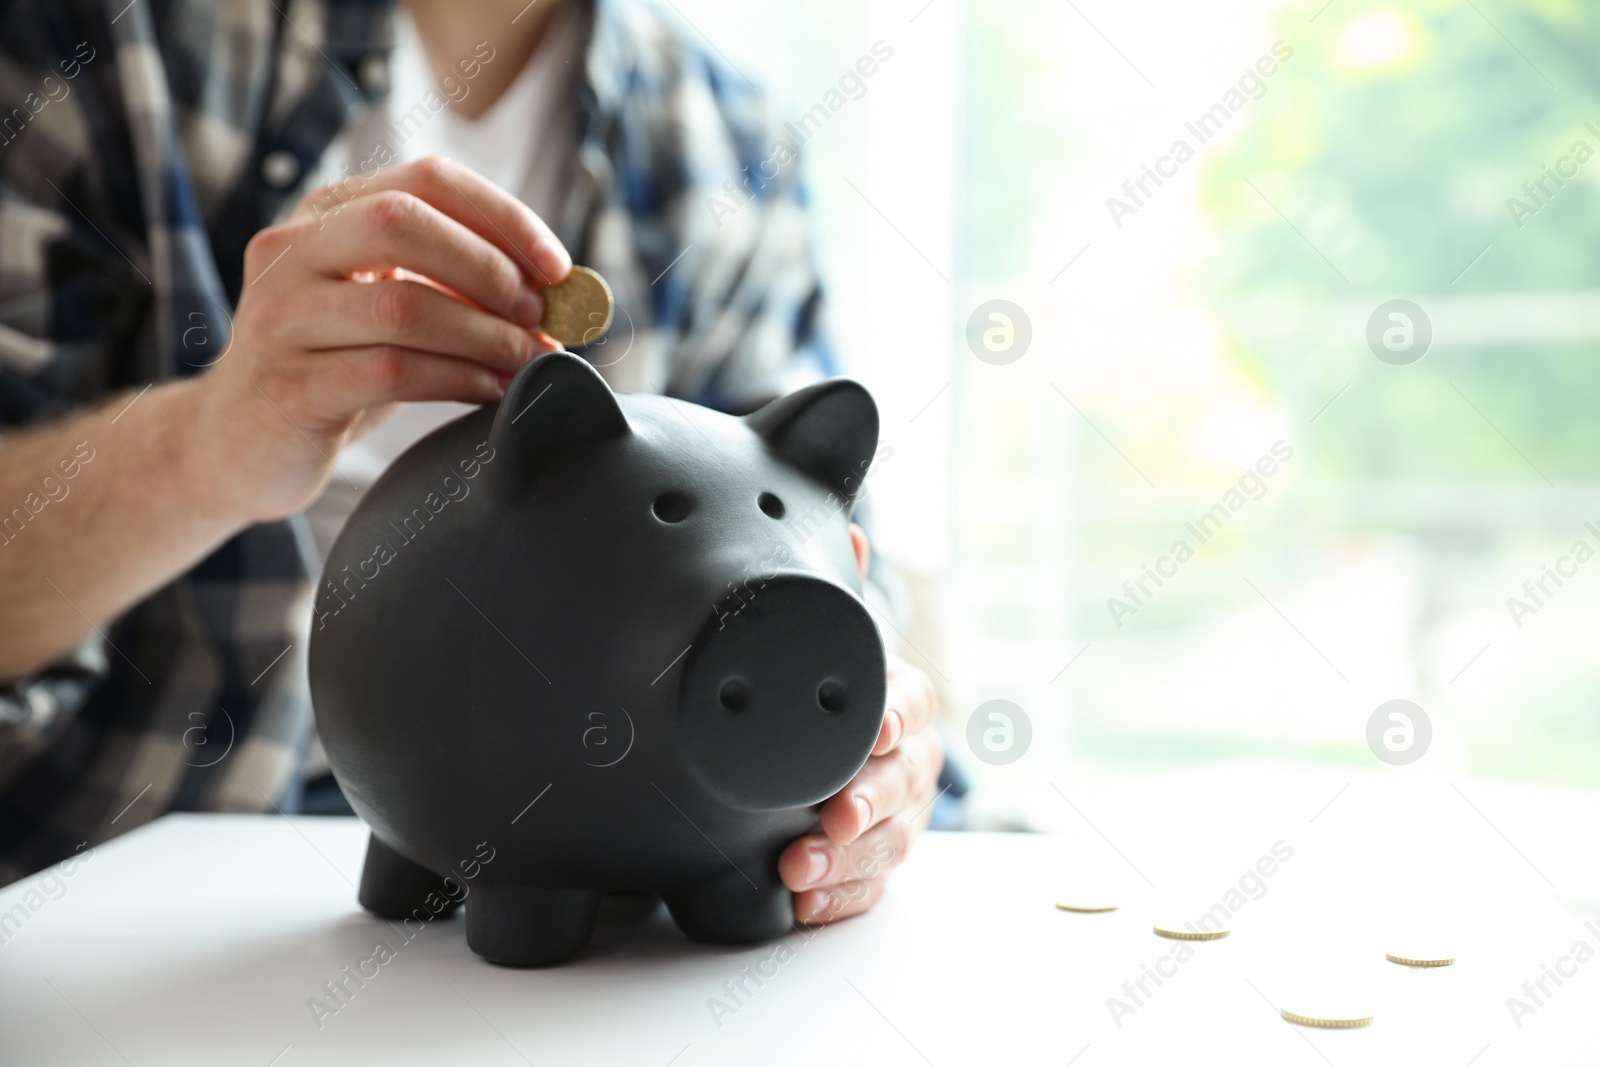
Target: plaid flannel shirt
141,146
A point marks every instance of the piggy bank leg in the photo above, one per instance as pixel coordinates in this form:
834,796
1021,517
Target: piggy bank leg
524,926
730,910
392,887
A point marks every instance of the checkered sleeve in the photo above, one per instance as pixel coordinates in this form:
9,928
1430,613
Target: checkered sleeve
34,710
130,179
688,198
66,294
743,302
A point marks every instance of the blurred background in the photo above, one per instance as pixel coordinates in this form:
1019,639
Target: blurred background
1166,346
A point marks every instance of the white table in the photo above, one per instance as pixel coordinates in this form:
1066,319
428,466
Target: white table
200,939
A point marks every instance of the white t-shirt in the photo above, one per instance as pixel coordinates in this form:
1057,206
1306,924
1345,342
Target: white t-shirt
525,143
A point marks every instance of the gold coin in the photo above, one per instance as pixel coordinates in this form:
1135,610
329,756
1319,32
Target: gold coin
1188,932
1412,957
1330,1017
578,311
1086,906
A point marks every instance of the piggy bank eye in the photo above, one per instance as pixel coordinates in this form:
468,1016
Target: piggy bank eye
671,506
771,505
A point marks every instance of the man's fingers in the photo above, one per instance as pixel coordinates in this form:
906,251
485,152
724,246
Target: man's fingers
816,860
910,705
463,195
335,385
410,314
379,233
838,902
883,787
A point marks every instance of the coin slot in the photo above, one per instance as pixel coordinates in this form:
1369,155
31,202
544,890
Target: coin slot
671,506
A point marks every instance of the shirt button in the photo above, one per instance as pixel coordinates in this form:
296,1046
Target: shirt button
374,74
280,168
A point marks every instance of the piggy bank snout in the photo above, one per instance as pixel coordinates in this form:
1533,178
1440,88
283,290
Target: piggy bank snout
783,699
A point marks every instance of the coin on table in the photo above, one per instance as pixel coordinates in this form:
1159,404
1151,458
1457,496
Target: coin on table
578,311
1190,932
1421,955
1330,1014
1087,905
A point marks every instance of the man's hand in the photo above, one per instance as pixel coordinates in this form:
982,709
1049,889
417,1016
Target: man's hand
870,824
421,282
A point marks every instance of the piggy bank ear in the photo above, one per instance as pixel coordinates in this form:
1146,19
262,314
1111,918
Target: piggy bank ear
829,430
556,403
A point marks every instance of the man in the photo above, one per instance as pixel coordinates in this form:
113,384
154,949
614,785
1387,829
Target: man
192,346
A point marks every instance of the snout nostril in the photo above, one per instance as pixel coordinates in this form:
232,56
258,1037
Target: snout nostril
830,695
735,695
770,505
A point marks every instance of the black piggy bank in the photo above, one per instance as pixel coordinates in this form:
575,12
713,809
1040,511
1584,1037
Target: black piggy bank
580,643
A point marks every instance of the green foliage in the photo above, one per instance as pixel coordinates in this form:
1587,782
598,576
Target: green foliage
1399,171
1393,143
